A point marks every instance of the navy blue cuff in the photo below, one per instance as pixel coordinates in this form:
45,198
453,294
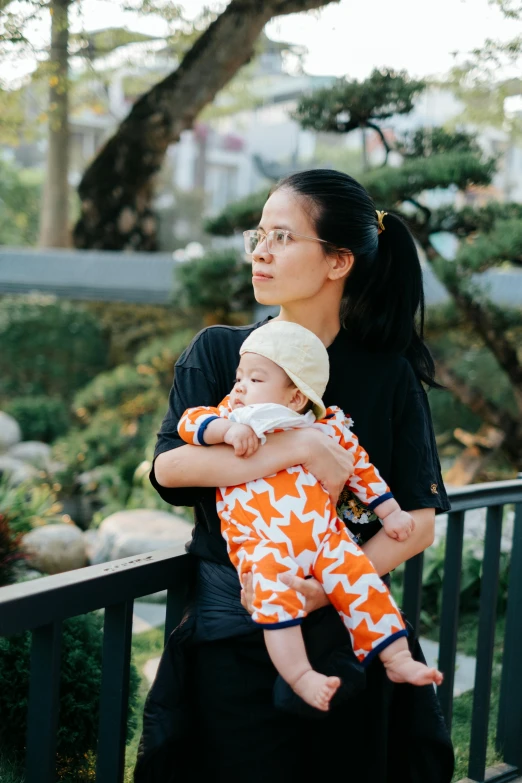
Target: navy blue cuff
382,646
378,501
283,624
202,428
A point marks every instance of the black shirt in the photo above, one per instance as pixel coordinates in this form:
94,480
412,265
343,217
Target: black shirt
380,392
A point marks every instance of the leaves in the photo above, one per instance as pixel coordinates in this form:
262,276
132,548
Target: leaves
351,104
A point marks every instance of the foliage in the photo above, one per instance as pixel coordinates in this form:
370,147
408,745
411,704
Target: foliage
11,553
117,414
40,418
425,142
395,185
437,161
29,505
130,327
352,104
49,347
470,585
240,215
216,285
20,191
81,662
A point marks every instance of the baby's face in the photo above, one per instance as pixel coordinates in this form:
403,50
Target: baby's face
260,380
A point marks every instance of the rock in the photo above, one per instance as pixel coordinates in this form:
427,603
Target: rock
91,539
33,452
16,470
55,548
10,432
133,532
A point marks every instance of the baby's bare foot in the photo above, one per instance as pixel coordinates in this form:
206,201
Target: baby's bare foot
401,667
316,689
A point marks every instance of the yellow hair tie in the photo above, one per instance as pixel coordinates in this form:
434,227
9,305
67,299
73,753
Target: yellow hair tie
380,221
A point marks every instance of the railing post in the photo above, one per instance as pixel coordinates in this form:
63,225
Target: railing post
449,616
44,700
509,731
412,591
485,642
114,698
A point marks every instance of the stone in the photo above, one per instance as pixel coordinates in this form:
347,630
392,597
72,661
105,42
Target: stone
33,452
136,531
16,470
10,432
55,548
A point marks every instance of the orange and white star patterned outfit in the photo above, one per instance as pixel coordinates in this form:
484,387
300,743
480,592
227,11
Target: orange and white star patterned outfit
287,523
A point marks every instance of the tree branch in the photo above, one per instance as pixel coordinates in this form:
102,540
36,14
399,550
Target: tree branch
504,352
486,410
116,189
472,397
387,148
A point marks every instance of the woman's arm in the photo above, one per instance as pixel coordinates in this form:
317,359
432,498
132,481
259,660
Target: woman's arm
217,466
387,553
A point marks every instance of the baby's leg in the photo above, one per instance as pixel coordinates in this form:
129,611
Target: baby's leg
288,654
401,667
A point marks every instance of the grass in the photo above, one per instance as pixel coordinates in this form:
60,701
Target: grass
144,646
463,705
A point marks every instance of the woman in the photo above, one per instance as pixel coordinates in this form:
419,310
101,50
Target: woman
353,277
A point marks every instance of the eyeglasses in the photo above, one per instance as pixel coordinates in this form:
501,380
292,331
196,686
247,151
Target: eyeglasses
276,240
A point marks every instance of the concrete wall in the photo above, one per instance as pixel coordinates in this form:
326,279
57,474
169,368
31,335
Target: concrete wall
150,277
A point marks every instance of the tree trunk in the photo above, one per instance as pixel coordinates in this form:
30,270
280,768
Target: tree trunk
54,215
117,188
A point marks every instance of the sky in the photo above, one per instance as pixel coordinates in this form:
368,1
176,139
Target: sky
424,37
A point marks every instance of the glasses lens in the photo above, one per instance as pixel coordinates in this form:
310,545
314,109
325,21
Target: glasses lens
276,241
252,240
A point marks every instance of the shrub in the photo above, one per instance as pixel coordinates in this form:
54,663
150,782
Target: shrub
129,327
49,347
11,554
79,694
40,418
120,411
29,505
217,285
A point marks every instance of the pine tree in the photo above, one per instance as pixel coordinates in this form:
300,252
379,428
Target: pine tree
490,237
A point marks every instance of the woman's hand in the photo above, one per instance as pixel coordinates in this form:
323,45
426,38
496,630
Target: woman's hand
312,590
328,462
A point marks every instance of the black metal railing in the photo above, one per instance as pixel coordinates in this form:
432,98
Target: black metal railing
41,605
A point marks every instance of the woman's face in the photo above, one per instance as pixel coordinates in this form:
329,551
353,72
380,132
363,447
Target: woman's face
301,270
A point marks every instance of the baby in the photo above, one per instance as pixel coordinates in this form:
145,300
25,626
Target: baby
287,523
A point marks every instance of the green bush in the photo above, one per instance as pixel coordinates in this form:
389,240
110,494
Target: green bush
131,326
217,285
29,505
119,412
11,554
48,347
80,683
40,418
470,585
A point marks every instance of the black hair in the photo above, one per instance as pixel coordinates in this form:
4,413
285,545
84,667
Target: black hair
383,298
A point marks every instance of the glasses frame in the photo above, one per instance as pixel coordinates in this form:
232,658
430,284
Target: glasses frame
269,236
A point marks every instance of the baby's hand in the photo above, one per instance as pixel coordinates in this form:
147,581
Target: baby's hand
243,439
399,525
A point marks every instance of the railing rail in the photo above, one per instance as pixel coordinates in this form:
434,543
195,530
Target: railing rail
41,605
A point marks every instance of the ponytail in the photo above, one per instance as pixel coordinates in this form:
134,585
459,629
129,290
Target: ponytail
383,302
383,298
